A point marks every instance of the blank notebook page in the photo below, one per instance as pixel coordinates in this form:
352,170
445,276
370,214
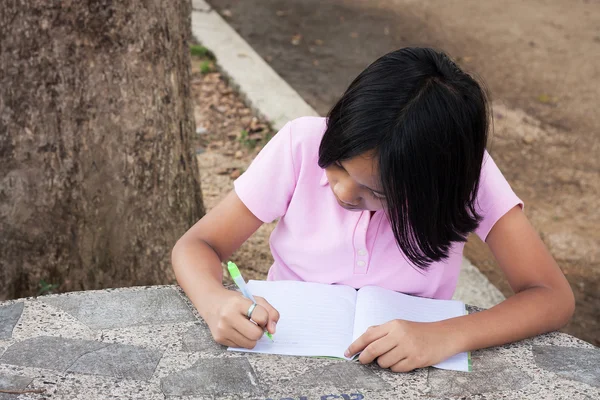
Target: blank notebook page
315,319
376,306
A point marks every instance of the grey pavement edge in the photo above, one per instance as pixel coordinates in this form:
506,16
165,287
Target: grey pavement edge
270,96
264,90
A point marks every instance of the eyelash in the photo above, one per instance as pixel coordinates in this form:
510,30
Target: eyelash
373,194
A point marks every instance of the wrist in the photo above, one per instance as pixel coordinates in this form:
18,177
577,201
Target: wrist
456,336
208,299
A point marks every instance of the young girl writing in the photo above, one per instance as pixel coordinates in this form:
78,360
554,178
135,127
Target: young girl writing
384,191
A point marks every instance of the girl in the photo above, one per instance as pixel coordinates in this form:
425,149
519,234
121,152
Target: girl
384,191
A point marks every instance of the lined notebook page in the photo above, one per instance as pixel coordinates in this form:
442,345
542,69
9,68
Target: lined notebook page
315,319
376,306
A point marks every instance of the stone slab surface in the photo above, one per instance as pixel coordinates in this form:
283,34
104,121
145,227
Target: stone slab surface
118,361
178,360
9,316
84,356
72,386
344,376
107,310
49,352
198,338
13,382
214,377
490,374
573,363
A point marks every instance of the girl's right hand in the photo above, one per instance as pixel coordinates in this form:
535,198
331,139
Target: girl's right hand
229,324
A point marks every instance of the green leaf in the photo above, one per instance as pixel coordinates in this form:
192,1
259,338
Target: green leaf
201,51
206,67
46,288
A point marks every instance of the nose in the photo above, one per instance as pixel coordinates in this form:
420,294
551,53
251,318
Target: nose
347,192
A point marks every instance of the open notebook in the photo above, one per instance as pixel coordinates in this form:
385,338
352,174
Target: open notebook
323,320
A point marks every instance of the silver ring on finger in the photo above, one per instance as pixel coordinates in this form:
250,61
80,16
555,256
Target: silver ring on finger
251,310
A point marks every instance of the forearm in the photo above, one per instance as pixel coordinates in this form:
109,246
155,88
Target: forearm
198,270
531,312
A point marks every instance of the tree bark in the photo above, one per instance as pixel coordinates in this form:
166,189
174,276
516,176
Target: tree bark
97,176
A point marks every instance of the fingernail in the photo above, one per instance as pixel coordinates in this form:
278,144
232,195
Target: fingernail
273,325
347,353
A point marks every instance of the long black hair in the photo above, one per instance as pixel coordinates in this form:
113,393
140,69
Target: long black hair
428,122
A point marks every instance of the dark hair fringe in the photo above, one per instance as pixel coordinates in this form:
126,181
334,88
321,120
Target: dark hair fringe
428,122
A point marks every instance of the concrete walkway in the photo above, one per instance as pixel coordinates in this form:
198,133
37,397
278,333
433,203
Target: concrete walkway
271,97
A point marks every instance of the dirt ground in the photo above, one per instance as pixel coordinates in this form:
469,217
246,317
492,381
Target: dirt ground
539,59
227,138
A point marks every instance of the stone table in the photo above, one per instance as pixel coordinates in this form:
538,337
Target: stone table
149,343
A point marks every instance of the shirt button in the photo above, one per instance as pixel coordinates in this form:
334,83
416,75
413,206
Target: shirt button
360,263
362,253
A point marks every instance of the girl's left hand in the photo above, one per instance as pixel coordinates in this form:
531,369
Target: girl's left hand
404,345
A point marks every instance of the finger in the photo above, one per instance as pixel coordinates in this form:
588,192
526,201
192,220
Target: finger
273,313
246,327
391,357
228,343
404,365
249,329
241,340
376,349
260,315
372,334
232,337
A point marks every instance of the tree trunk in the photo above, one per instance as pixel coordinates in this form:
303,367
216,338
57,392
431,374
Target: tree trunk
97,177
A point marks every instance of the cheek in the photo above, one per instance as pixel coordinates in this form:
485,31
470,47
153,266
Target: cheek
373,204
330,176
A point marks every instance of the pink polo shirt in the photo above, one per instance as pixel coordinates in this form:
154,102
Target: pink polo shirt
316,240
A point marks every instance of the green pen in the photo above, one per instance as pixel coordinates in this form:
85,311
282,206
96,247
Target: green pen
241,284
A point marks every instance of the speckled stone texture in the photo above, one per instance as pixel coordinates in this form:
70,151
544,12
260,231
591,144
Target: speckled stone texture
149,343
493,373
49,352
582,365
216,377
9,315
346,376
102,310
12,383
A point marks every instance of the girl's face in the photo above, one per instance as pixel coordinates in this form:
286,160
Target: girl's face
355,183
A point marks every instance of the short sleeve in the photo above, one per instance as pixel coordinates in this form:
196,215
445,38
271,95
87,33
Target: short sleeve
268,184
494,198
